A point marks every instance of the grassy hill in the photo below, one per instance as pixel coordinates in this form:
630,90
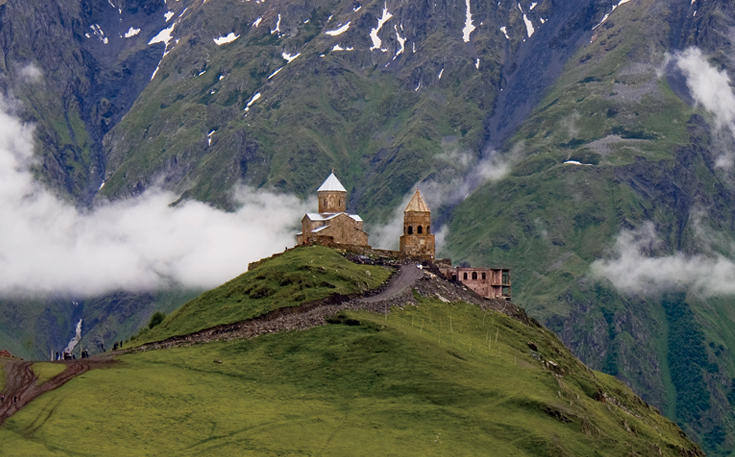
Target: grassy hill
437,379
432,379
303,274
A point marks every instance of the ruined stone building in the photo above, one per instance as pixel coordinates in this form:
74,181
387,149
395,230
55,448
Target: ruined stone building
417,239
332,223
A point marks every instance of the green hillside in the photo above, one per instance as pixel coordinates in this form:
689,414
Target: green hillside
435,379
645,156
300,275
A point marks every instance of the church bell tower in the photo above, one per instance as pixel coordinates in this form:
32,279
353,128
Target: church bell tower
332,196
417,239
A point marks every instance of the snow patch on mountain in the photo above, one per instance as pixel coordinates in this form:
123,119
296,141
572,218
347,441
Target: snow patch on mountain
275,73
278,27
621,2
288,57
377,43
226,39
338,31
468,26
131,32
252,100
529,26
401,41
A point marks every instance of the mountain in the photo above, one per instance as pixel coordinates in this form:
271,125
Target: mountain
433,376
565,139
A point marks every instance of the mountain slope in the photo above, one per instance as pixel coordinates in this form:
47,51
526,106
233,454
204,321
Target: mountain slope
640,161
437,377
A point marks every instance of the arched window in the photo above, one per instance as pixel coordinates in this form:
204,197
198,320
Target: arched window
410,229
474,275
465,275
340,202
483,276
418,230
428,229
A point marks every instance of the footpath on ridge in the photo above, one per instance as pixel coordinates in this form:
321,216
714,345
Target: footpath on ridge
21,385
396,292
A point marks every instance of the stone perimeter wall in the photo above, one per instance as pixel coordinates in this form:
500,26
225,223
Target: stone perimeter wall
367,251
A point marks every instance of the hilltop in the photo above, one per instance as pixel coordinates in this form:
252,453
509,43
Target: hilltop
429,375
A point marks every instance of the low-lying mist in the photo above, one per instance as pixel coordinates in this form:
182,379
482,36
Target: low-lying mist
49,246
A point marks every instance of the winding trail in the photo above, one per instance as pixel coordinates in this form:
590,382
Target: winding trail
21,386
21,382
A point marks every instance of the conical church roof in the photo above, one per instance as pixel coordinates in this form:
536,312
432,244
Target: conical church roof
332,184
417,204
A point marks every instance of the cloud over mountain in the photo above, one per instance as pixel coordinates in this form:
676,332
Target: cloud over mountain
49,246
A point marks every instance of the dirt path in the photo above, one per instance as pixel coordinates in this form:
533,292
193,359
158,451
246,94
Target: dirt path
403,280
397,290
21,383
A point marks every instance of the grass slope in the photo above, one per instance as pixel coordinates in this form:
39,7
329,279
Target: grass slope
46,371
437,379
303,274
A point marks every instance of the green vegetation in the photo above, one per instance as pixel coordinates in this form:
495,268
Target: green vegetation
156,319
687,359
303,274
437,379
47,370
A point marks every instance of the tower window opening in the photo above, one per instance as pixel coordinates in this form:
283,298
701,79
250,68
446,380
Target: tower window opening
465,276
474,275
483,276
418,230
428,229
410,229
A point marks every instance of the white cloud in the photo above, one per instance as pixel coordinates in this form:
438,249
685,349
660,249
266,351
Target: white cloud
710,88
458,175
31,74
49,246
635,270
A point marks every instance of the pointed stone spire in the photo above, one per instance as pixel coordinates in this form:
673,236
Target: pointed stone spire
332,184
417,204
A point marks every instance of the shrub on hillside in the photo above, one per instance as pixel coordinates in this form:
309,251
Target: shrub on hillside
156,319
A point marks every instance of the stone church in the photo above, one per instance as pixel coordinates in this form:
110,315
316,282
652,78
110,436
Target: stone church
332,223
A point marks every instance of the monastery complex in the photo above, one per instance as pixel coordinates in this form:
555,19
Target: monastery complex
333,225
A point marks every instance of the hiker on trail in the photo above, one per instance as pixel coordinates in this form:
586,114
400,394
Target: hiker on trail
102,345
121,344
2,398
114,346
